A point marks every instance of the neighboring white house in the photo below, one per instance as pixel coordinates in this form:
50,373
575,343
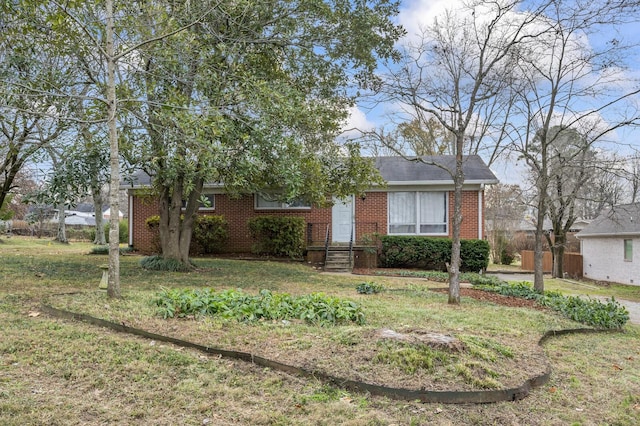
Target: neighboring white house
608,244
106,214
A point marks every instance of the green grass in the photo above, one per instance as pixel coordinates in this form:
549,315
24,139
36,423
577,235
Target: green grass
65,372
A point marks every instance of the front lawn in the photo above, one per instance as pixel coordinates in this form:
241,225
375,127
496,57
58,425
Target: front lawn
56,371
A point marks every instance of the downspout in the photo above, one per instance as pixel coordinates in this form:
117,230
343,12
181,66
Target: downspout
130,220
480,216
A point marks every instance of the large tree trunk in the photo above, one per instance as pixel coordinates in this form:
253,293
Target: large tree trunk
454,267
538,272
98,203
176,225
559,245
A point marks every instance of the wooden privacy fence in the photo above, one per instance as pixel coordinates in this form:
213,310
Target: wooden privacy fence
572,263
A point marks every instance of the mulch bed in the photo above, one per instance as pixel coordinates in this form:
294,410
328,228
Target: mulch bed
487,296
496,298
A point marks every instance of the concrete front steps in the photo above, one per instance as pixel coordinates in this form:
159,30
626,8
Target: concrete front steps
339,259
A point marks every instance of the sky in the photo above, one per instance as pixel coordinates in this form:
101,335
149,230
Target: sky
415,14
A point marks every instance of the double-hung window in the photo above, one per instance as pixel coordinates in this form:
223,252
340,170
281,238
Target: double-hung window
264,203
419,213
628,250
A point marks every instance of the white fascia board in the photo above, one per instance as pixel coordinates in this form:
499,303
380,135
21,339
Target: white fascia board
441,182
426,186
216,187
609,235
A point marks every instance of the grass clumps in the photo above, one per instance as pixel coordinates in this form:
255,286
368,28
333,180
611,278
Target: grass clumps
486,349
105,250
369,287
158,263
315,308
410,358
609,314
475,363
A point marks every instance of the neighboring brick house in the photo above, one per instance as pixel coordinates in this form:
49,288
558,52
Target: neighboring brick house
608,243
417,200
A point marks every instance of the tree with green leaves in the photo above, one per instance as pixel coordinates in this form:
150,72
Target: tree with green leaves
248,93
31,116
254,96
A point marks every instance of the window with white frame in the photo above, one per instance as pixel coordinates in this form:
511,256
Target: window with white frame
416,212
264,203
206,202
628,250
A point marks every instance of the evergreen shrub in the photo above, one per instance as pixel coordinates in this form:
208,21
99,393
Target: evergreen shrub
210,233
432,253
277,235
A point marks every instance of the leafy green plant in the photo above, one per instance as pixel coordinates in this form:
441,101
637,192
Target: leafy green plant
609,314
277,236
369,287
315,308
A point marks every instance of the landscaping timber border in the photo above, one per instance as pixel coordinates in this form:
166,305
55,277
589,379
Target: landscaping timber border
444,397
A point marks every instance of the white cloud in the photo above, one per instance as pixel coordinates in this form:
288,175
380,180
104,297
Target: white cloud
356,123
418,14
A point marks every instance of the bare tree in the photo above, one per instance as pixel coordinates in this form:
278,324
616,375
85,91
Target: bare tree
568,83
459,73
504,212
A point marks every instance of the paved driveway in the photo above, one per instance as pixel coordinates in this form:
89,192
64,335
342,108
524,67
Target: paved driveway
632,307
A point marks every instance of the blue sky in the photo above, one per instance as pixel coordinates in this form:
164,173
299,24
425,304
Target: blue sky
419,13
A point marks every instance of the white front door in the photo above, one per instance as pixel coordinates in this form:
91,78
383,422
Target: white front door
342,222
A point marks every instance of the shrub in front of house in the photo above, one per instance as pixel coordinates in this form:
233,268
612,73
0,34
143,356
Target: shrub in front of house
153,224
123,232
474,255
210,232
277,235
432,253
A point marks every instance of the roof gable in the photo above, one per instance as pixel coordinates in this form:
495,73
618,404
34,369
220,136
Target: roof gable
617,221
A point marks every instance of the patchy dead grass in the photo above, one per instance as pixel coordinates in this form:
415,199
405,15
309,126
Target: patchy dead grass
64,372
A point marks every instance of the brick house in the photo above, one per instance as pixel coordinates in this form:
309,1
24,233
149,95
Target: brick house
417,200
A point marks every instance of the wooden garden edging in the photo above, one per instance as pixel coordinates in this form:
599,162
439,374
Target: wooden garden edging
444,397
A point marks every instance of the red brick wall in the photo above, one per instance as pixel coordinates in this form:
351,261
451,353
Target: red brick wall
371,217
236,211
371,214
469,229
142,208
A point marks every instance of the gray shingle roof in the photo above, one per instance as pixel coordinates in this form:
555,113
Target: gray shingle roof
411,170
436,169
617,221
